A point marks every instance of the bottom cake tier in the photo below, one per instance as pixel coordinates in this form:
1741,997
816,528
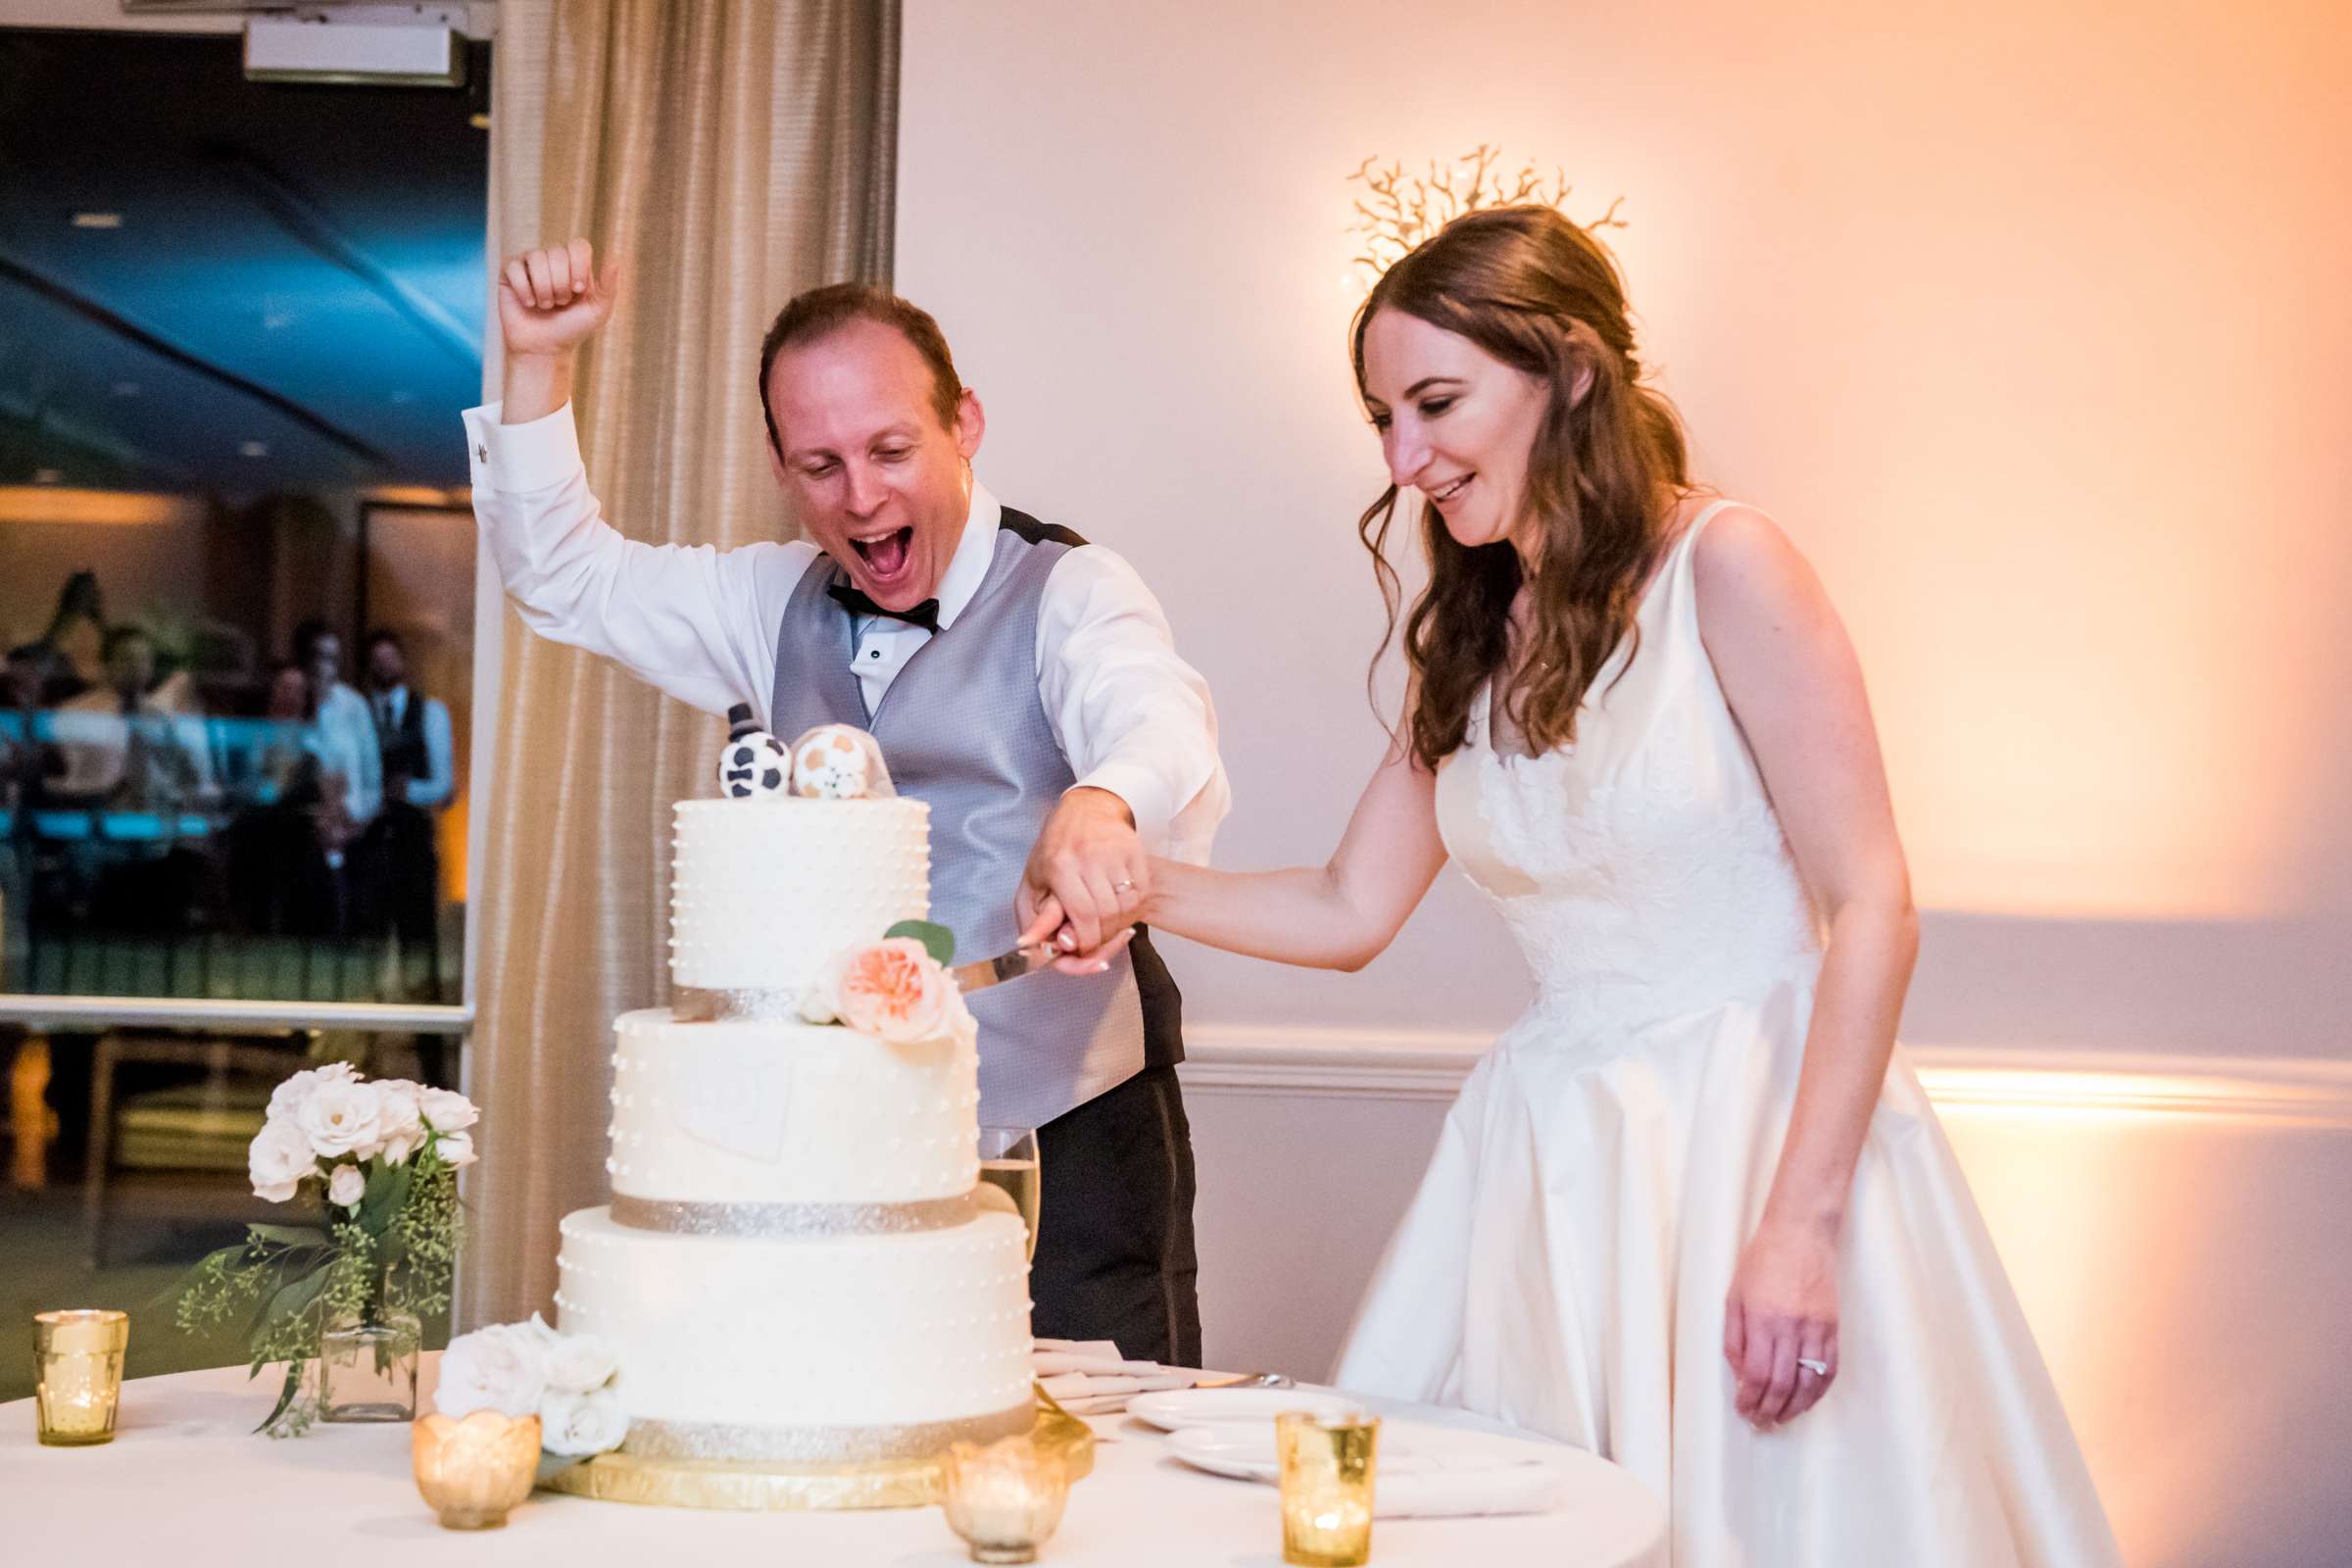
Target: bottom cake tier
807,1351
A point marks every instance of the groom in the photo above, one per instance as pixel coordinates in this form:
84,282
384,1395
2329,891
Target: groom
1021,680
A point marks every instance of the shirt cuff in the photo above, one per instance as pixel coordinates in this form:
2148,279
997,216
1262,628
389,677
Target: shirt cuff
1143,791
521,457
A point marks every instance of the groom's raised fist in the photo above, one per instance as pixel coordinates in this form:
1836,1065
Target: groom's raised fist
551,300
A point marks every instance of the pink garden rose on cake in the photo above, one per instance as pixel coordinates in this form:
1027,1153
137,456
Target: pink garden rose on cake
893,989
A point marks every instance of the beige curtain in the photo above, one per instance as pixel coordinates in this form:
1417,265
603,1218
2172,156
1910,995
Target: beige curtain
737,151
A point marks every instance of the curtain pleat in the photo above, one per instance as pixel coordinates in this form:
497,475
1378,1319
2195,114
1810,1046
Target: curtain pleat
735,152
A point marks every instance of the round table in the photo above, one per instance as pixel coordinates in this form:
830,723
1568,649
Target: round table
185,1483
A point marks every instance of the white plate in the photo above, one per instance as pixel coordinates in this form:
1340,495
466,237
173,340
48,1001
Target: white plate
1247,1453
1171,1408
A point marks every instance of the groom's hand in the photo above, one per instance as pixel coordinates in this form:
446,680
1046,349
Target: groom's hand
1089,863
550,301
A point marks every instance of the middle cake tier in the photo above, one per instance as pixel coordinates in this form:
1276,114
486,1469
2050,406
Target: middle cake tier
762,1126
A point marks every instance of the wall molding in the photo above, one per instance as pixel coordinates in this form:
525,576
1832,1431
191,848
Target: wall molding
1429,1065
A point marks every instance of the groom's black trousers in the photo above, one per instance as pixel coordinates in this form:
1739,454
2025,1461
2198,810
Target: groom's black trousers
1114,1245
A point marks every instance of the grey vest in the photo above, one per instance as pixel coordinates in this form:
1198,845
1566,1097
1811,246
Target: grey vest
963,729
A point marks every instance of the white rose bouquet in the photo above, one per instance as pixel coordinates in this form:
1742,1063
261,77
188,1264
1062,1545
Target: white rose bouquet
522,1369
380,1158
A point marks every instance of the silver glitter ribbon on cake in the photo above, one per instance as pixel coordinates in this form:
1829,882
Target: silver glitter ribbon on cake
706,1005
817,1444
793,1221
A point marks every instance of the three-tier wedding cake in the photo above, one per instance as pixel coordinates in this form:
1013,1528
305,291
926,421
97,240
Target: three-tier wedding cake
797,1265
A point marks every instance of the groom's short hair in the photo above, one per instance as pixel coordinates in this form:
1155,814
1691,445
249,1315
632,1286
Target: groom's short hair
815,313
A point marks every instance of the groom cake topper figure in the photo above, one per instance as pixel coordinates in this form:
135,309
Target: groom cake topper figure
1021,681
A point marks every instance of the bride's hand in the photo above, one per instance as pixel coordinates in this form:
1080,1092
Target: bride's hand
1783,1312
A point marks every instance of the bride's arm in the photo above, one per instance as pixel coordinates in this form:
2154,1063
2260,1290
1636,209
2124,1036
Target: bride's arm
1790,676
1334,917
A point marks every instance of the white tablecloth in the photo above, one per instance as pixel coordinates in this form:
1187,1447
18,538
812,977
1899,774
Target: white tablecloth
185,1482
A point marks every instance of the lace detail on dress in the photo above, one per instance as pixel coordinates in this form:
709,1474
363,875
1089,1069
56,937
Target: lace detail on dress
1652,900
1640,867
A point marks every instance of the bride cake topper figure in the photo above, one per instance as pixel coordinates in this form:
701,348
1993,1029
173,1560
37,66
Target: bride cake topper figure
840,763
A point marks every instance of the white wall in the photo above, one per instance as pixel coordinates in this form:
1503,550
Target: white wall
2028,324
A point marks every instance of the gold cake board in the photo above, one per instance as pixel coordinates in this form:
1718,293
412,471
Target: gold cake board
758,1485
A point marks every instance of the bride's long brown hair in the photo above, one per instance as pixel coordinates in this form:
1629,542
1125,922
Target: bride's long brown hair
1540,294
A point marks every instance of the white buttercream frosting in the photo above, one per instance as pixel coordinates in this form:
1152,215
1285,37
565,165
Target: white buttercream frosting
858,1331
764,893
760,1111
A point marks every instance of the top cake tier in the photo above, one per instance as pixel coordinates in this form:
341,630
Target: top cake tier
763,893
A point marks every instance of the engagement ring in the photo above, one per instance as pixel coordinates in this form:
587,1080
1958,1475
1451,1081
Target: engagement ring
1820,1369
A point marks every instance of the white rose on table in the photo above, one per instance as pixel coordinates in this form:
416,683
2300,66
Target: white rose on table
445,1110
341,1118
347,1186
578,1363
279,1157
502,1368
577,1425
288,1098
456,1150
399,1121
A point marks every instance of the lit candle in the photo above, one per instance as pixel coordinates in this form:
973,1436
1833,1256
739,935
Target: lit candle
1005,1499
78,1366
1327,1474
475,1470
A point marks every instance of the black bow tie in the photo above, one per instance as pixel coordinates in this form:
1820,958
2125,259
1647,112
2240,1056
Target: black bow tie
925,614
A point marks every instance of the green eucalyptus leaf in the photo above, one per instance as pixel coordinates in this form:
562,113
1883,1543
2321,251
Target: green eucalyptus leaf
290,1235
387,1190
937,940
295,1296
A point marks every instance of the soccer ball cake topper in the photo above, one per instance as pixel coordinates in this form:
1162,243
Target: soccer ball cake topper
840,763
752,764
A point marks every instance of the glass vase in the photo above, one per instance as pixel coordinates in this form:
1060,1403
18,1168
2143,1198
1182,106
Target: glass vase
367,1367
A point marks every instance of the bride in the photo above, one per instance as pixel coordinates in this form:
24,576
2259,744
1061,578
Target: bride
1691,1211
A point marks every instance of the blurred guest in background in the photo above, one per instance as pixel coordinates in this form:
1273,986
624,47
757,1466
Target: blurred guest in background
346,744
28,759
125,752
418,762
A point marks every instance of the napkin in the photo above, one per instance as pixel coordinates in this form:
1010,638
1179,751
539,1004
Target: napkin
1458,1487
1089,1377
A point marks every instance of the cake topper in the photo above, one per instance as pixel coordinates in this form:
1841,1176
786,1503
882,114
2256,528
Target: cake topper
752,766
840,763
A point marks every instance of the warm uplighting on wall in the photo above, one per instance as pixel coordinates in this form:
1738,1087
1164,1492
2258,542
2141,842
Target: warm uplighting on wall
44,503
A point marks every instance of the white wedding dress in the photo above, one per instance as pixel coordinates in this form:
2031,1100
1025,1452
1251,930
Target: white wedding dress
1565,1262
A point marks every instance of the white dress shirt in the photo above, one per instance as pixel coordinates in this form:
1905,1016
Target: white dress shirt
701,623
440,743
343,738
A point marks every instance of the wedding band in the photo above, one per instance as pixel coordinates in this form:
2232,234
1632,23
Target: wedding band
1122,885
1820,1369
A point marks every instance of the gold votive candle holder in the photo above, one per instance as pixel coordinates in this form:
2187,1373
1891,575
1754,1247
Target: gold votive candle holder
1004,1499
1327,1472
78,1365
474,1471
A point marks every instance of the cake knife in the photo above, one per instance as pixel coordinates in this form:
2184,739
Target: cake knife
972,977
